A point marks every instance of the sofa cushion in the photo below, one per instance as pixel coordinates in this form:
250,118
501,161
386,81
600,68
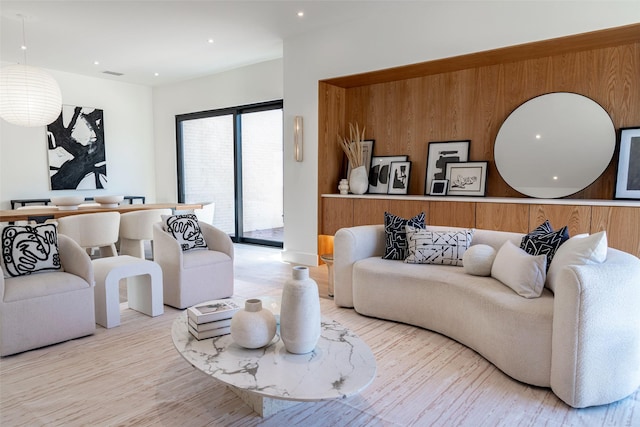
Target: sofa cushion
29,249
395,234
186,230
41,285
437,247
478,260
578,250
541,242
522,272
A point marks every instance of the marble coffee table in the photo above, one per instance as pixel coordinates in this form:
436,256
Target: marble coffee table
271,379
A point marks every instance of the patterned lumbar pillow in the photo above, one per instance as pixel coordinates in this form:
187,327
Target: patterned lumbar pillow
30,249
396,235
186,230
437,247
543,242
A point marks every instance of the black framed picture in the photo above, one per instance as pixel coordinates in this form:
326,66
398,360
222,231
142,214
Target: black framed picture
439,187
628,176
441,153
380,172
399,174
467,178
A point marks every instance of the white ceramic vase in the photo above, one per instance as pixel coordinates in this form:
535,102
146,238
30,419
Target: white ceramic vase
343,187
300,313
253,327
358,180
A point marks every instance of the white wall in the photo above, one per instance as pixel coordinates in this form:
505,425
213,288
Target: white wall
128,142
404,34
248,85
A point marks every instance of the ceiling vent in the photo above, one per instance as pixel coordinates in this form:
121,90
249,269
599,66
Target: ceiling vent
113,73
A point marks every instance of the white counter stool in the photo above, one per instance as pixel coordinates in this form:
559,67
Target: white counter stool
144,287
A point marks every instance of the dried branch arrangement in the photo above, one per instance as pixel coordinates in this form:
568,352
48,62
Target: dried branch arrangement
352,147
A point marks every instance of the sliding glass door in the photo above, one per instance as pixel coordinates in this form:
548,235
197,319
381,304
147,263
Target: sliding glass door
234,158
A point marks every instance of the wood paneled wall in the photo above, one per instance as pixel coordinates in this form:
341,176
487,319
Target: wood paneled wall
469,97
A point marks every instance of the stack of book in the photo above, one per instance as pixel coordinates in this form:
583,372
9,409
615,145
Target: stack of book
212,318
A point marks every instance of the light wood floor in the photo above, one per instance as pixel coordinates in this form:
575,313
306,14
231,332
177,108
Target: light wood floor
132,375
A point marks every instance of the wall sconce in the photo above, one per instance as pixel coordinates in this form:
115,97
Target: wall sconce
297,138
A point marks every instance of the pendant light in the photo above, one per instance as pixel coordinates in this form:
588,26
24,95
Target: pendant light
29,96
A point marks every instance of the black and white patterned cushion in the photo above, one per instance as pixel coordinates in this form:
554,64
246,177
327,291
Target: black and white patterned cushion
29,249
186,230
543,242
437,247
396,235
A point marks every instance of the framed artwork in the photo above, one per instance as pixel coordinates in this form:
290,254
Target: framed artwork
367,153
467,179
439,187
441,153
380,172
76,149
628,176
399,177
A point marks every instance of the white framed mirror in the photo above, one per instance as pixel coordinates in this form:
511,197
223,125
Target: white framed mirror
554,145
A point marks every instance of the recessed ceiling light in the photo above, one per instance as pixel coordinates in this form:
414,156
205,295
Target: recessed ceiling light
156,74
210,41
300,14
96,63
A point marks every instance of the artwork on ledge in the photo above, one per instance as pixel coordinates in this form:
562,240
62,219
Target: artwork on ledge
367,153
76,149
379,172
467,179
399,174
628,176
439,187
441,153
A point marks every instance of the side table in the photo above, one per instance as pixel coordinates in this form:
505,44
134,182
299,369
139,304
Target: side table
328,259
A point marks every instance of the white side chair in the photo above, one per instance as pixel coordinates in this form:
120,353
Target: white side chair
194,276
136,228
94,230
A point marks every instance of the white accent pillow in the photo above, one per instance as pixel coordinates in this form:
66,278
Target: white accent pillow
478,260
437,247
523,273
579,250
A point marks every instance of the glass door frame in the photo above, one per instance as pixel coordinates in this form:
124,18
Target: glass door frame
236,112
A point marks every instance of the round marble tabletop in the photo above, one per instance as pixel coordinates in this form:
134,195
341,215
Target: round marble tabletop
340,366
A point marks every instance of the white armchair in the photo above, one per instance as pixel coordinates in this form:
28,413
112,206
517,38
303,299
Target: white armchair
194,276
47,308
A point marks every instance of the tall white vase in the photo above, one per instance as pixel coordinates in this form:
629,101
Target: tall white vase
358,180
300,313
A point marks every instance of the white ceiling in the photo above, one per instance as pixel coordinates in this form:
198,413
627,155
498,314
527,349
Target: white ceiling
140,38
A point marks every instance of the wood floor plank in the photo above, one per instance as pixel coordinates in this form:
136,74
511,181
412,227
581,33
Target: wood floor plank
132,375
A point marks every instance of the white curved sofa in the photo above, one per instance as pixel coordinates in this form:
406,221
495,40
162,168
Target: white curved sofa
583,342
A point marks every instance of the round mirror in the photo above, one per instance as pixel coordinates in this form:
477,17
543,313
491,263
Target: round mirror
554,145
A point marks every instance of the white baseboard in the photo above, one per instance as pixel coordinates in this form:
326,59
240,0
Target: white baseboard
300,258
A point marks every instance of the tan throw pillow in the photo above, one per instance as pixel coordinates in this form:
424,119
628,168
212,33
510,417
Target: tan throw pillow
523,273
437,247
478,260
578,250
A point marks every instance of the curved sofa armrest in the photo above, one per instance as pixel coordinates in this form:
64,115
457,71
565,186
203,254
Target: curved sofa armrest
217,240
74,259
350,245
596,334
166,249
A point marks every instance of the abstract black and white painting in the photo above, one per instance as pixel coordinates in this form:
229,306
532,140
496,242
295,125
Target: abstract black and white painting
467,178
628,177
441,153
76,149
399,175
380,173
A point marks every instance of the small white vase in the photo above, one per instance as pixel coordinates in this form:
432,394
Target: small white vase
343,187
300,313
358,180
253,327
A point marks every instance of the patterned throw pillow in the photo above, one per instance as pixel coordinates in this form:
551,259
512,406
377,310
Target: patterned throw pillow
396,235
543,242
437,247
186,230
29,249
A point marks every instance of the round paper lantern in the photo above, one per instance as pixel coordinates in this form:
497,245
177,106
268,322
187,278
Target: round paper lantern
29,96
